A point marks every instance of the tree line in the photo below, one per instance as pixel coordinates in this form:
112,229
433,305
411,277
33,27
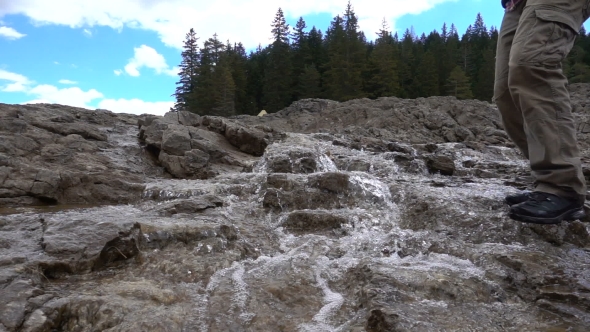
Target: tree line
220,78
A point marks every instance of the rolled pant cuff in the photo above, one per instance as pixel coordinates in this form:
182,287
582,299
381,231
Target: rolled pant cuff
560,192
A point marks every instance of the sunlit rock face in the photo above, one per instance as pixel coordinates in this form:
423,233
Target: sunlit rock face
368,215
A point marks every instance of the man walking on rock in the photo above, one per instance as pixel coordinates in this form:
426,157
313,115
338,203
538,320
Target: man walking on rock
531,93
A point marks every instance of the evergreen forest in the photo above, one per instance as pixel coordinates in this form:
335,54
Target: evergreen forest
221,78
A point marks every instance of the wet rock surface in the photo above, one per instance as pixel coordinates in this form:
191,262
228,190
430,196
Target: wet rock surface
381,215
59,154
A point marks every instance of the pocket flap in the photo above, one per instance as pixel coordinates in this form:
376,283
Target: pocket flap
557,16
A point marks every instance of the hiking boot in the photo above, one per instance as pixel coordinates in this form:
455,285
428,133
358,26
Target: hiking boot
517,198
545,208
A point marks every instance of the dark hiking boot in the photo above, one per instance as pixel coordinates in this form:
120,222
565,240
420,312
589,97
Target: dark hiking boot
517,198
545,208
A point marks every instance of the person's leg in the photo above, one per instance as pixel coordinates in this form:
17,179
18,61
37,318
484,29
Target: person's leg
509,111
538,87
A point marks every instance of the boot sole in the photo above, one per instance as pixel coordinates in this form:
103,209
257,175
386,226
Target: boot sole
570,215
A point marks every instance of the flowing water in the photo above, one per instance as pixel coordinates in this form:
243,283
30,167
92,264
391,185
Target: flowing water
345,240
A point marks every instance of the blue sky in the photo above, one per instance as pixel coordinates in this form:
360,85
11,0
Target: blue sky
122,55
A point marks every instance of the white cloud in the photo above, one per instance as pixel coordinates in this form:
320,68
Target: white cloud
131,69
67,82
16,82
136,106
148,57
236,20
74,96
117,72
87,33
10,33
45,93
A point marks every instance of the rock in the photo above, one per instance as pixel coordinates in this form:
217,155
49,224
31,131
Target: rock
399,148
189,119
309,221
248,140
14,301
381,321
228,232
145,120
357,166
441,164
192,205
176,140
196,159
330,181
173,164
12,125
214,124
76,237
81,129
281,164
279,181
69,155
36,321
121,248
77,143
189,152
343,223
46,185
152,134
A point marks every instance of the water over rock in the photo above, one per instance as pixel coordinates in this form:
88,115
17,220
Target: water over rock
368,215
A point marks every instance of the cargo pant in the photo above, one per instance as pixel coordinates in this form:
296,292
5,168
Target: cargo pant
531,93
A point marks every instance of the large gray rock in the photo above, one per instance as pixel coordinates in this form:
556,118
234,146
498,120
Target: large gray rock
60,154
248,140
176,140
14,302
188,150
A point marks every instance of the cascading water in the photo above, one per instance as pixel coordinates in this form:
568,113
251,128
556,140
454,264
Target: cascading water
305,241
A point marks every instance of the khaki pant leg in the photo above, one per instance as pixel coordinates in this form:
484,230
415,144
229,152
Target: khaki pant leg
546,34
509,111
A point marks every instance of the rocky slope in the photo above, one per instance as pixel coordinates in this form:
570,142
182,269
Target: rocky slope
369,215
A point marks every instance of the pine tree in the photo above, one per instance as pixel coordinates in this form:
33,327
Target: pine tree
238,60
382,78
458,84
484,88
309,83
215,89
427,76
444,33
255,67
407,65
475,41
317,50
277,79
189,66
579,73
335,67
346,58
451,58
301,55
223,89
435,43
202,92
356,54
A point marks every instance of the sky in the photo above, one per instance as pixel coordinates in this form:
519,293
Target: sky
122,55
